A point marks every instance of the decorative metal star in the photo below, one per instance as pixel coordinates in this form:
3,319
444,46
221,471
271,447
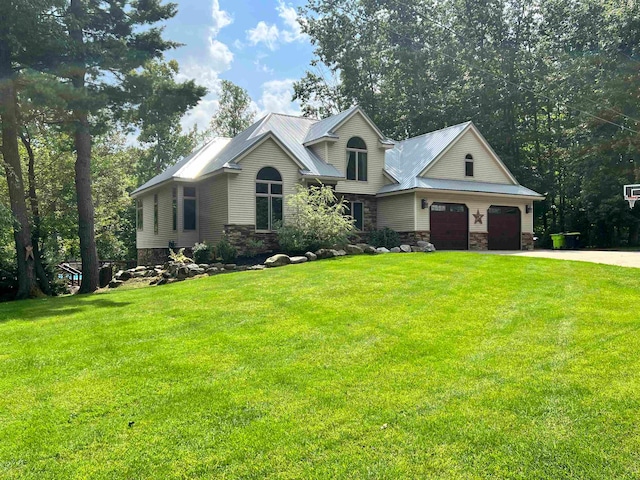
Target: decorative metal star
478,217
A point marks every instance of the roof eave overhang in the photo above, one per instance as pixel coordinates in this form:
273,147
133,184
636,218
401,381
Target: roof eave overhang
332,139
462,192
321,178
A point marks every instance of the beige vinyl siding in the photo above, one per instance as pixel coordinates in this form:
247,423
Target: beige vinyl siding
214,208
397,212
187,238
357,126
242,186
320,149
474,204
452,164
147,238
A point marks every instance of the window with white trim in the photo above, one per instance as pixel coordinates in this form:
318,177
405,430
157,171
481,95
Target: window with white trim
139,214
189,208
356,211
269,199
357,159
468,165
174,207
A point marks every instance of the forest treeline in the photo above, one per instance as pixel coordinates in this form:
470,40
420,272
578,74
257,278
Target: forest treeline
90,108
554,85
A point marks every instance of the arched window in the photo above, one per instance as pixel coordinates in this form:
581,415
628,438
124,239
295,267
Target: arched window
357,159
268,199
468,165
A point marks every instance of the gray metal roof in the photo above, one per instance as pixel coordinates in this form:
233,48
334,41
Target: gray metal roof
223,152
324,128
459,185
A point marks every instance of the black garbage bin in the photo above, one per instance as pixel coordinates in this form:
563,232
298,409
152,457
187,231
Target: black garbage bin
572,240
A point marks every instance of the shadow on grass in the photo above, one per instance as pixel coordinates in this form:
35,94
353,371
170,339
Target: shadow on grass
34,310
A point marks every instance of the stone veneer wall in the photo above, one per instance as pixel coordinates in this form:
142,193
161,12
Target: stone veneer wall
240,235
411,238
478,241
527,241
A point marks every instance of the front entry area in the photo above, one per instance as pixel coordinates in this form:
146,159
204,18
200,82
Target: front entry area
504,228
449,226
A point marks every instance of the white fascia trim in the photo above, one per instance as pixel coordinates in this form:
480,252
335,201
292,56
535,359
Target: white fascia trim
463,192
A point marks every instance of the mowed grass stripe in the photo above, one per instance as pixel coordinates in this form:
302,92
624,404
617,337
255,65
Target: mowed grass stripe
449,365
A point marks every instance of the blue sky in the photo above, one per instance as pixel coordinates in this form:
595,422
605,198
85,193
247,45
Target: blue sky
255,44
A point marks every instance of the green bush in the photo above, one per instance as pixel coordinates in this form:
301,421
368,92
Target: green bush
385,237
317,220
202,252
225,251
254,247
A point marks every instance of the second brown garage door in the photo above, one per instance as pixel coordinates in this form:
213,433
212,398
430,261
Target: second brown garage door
504,228
449,226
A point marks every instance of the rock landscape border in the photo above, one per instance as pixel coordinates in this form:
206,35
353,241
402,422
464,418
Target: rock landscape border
172,272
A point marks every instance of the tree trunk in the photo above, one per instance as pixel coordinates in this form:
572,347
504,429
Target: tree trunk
82,139
27,285
41,274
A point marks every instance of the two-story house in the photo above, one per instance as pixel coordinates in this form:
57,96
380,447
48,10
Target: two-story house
448,187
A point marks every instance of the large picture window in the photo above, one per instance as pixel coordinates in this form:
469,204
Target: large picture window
356,211
189,208
269,199
139,214
357,159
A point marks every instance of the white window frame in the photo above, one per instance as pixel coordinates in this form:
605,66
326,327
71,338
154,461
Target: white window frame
469,159
358,152
351,210
270,196
140,215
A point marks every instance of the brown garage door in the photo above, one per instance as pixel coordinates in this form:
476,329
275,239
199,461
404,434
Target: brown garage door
504,228
449,226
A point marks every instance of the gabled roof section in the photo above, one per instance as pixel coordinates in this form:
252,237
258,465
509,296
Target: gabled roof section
412,158
189,167
224,153
326,129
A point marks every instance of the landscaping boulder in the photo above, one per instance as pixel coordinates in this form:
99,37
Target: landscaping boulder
257,267
395,250
115,283
297,260
340,253
123,275
278,260
311,256
230,267
212,271
422,243
405,248
368,249
353,250
140,268
105,275
182,273
382,250
326,253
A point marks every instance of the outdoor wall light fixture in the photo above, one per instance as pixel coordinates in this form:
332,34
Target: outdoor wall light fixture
527,209
424,203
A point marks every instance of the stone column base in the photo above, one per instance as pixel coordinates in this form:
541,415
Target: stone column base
478,241
527,241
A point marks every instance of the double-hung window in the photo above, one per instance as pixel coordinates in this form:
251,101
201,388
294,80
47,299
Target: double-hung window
356,211
189,208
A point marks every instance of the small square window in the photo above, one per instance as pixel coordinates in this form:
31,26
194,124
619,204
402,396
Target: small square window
189,191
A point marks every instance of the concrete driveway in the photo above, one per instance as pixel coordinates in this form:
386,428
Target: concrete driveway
622,259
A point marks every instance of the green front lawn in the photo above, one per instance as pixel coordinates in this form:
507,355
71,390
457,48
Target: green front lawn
448,365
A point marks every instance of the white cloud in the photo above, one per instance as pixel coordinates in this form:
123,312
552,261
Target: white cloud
201,114
221,56
263,33
220,18
238,45
272,35
276,98
292,21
